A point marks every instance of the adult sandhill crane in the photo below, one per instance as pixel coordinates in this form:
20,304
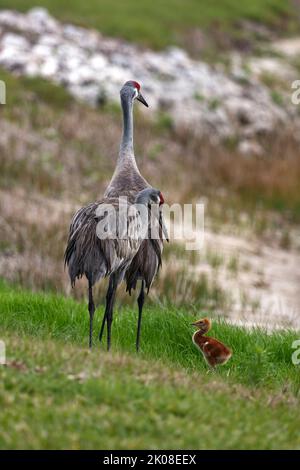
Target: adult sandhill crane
127,181
101,244
142,264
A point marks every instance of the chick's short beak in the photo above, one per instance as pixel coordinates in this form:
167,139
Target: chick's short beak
198,324
142,100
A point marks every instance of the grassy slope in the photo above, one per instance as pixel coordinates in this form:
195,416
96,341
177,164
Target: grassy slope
259,359
117,400
156,23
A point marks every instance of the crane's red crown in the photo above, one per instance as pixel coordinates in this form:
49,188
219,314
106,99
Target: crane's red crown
161,199
137,85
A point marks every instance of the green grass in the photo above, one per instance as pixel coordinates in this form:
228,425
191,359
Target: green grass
54,395
158,23
163,398
36,90
259,359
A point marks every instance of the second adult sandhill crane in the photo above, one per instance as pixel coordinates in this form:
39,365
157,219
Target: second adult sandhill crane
103,240
128,181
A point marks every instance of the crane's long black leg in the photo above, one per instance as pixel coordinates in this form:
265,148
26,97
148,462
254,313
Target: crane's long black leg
140,300
102,326
91,312
110,305
108,295
108,314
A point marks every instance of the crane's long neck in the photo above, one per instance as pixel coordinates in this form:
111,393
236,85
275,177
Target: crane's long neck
126,148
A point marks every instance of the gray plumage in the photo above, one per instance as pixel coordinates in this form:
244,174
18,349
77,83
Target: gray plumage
135,258
87,254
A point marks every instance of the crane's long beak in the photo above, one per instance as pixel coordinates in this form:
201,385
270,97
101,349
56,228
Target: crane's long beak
163,227
165,232
142,100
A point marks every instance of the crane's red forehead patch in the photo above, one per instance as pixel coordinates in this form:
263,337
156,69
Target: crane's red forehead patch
137,85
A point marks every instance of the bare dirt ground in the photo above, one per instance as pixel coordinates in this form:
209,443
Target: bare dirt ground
266,285
263,282
261,279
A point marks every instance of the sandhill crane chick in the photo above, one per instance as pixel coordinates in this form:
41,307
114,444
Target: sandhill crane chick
214,352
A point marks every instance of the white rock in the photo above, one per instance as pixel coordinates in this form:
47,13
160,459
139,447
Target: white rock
11,58
98,62
11,40
49,67
32,68
83,74
50,40
42,51
42,19
250,148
